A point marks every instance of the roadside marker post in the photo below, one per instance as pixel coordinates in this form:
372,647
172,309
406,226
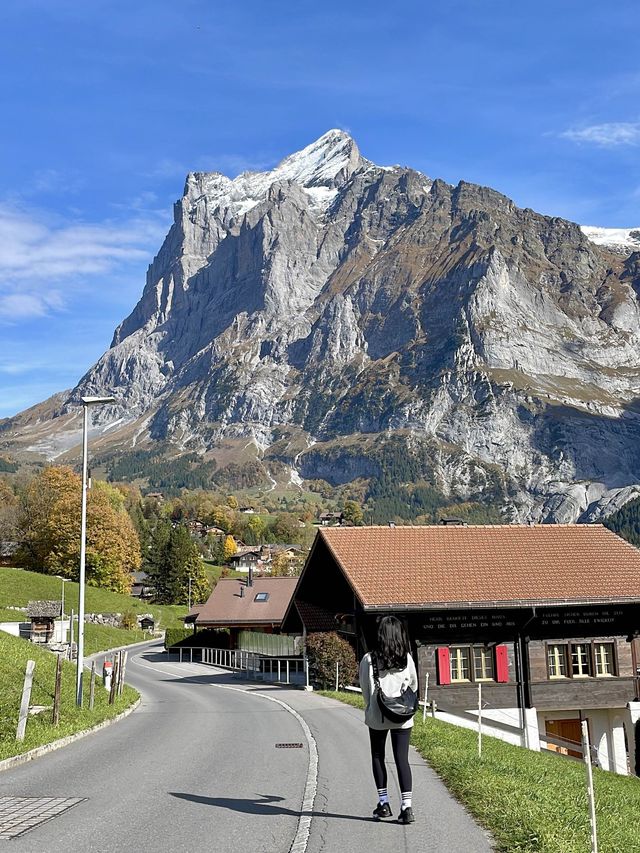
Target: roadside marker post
26,698
56,692
426,693
480,720
92,685
107,674
586,753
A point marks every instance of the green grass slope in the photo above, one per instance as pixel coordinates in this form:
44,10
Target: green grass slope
14,654
18,587
531,802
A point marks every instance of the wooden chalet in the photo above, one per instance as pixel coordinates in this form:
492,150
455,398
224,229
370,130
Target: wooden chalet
545,617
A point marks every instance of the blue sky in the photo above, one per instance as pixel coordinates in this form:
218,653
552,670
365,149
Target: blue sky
105,106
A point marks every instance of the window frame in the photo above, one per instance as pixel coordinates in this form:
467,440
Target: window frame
487,654
614,660
565,649
470,649
457,652
591,647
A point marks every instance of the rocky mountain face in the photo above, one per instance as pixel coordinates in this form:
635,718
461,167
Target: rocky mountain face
340,320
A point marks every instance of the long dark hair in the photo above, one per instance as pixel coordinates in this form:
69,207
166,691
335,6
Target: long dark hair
392,646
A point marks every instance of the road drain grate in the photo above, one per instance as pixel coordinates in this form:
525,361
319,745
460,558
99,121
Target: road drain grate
20,814
288,746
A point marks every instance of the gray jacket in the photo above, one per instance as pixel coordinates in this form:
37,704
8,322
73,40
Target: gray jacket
392,682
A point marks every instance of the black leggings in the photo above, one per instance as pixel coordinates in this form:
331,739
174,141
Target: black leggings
400,745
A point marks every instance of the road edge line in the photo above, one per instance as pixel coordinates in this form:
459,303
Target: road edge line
25,757
301,839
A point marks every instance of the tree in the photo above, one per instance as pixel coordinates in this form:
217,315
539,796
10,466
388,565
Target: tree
8,512
280,566
256,528
173,559
325,650
49,524
352,512
232,501
229,548
287,528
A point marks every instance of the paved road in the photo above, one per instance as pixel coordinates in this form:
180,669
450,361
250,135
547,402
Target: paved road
196,768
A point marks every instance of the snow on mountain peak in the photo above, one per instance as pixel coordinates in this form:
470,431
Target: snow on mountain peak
623,240
320,163
319,169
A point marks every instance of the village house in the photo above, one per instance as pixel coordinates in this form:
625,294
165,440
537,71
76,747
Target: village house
255,604
545,618
141,586
245,559
8,553
327,519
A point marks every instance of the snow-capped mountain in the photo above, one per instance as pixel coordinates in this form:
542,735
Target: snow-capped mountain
331,317
622,240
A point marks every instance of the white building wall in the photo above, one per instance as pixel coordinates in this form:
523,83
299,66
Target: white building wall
606,730
510,718
632,721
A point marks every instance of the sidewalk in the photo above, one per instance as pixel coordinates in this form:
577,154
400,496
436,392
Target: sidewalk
346,794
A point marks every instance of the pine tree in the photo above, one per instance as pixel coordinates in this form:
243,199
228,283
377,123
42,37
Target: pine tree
156,562
173,559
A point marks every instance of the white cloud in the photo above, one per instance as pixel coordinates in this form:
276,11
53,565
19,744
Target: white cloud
608,135
36,256
18,306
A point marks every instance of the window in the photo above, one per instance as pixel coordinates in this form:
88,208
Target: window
580,660
557,660
482,664
603,656
460,664
262,596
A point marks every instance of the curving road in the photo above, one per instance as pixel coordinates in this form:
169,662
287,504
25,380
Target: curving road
196,768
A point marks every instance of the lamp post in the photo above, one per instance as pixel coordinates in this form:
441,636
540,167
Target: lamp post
87,402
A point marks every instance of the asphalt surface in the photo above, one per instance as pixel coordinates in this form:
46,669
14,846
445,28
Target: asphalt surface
196,768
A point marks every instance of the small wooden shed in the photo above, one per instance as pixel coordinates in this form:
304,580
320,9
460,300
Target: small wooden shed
42,615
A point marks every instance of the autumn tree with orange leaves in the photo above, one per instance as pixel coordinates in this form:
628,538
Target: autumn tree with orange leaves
50,530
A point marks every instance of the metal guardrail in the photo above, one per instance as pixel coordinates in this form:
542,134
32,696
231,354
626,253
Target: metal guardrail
282,670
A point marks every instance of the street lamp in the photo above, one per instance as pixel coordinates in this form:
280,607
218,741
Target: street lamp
87,402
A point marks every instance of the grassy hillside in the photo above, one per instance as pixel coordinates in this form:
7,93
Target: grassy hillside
531,802
14,654
18,587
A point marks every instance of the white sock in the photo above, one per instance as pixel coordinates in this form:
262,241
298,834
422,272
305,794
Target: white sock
406,800
383,795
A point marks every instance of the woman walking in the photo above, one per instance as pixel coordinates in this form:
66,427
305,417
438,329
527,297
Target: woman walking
396,671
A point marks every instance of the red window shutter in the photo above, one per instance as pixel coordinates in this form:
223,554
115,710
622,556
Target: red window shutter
444,666
502,665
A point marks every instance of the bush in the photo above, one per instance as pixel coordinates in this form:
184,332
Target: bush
175,635
129,620
325,650
208,638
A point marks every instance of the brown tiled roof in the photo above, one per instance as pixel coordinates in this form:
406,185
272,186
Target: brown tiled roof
510,564
225,606
316,618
